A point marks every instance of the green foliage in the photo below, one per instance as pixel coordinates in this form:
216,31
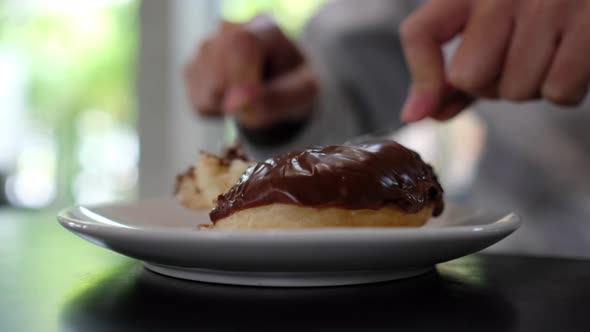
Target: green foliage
77,61
79,58
290,14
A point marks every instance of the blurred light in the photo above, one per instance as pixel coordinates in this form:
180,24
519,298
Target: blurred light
101,219
39,102
76,6
108,154
34,183
452,148
30,189
422,138
92,188
12,103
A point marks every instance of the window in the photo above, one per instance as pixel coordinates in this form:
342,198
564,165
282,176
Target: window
67,119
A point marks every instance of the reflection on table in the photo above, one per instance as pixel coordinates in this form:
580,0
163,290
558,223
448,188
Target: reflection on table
150,302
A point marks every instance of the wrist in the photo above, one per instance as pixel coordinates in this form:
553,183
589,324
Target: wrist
279,133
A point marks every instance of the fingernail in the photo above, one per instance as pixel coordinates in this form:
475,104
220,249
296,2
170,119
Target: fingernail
418,105
237,98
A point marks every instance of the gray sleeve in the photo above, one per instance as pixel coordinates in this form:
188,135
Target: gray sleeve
354,48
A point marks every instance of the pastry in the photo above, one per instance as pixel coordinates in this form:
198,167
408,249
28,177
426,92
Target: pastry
200,185
377,184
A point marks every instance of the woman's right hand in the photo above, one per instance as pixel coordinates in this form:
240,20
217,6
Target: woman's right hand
516,50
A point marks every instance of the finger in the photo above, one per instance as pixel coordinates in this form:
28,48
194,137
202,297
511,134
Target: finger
237,97
454,103
262,26
208,81
242,61
286,98
227,26
422,35
533,45
196,79
242,57
296,88
480,56
569,74
281,54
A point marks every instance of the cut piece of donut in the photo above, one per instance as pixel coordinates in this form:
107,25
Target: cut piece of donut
200,185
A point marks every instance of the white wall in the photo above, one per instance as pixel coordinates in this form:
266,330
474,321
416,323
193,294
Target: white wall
170,134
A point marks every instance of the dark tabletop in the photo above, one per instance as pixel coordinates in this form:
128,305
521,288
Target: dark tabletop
53,281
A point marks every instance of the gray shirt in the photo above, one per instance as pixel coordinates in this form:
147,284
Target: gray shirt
536,159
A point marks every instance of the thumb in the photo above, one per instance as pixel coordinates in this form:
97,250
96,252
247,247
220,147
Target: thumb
251,45
248,45
286,98
423,34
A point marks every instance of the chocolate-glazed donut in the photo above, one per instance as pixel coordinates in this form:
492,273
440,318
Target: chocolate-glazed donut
368,176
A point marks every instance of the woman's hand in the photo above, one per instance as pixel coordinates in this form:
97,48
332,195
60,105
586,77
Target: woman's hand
510,49
253,71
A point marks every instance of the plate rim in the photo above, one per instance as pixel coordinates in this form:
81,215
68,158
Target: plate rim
504,223
226,255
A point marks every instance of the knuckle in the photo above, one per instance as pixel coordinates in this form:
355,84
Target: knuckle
535,12
244,41
199,103
206,47
409,29
492,9
561,95
204,100
225,25
243,36
205,107
533,7
516,92
217,90
466,82
547,8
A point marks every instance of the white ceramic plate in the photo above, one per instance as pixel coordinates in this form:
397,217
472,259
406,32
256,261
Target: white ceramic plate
166,237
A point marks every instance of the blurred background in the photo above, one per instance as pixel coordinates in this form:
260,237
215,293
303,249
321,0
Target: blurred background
92,102
68,112
69,127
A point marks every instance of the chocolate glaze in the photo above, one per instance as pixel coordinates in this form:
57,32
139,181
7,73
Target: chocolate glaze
362,176
232,153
